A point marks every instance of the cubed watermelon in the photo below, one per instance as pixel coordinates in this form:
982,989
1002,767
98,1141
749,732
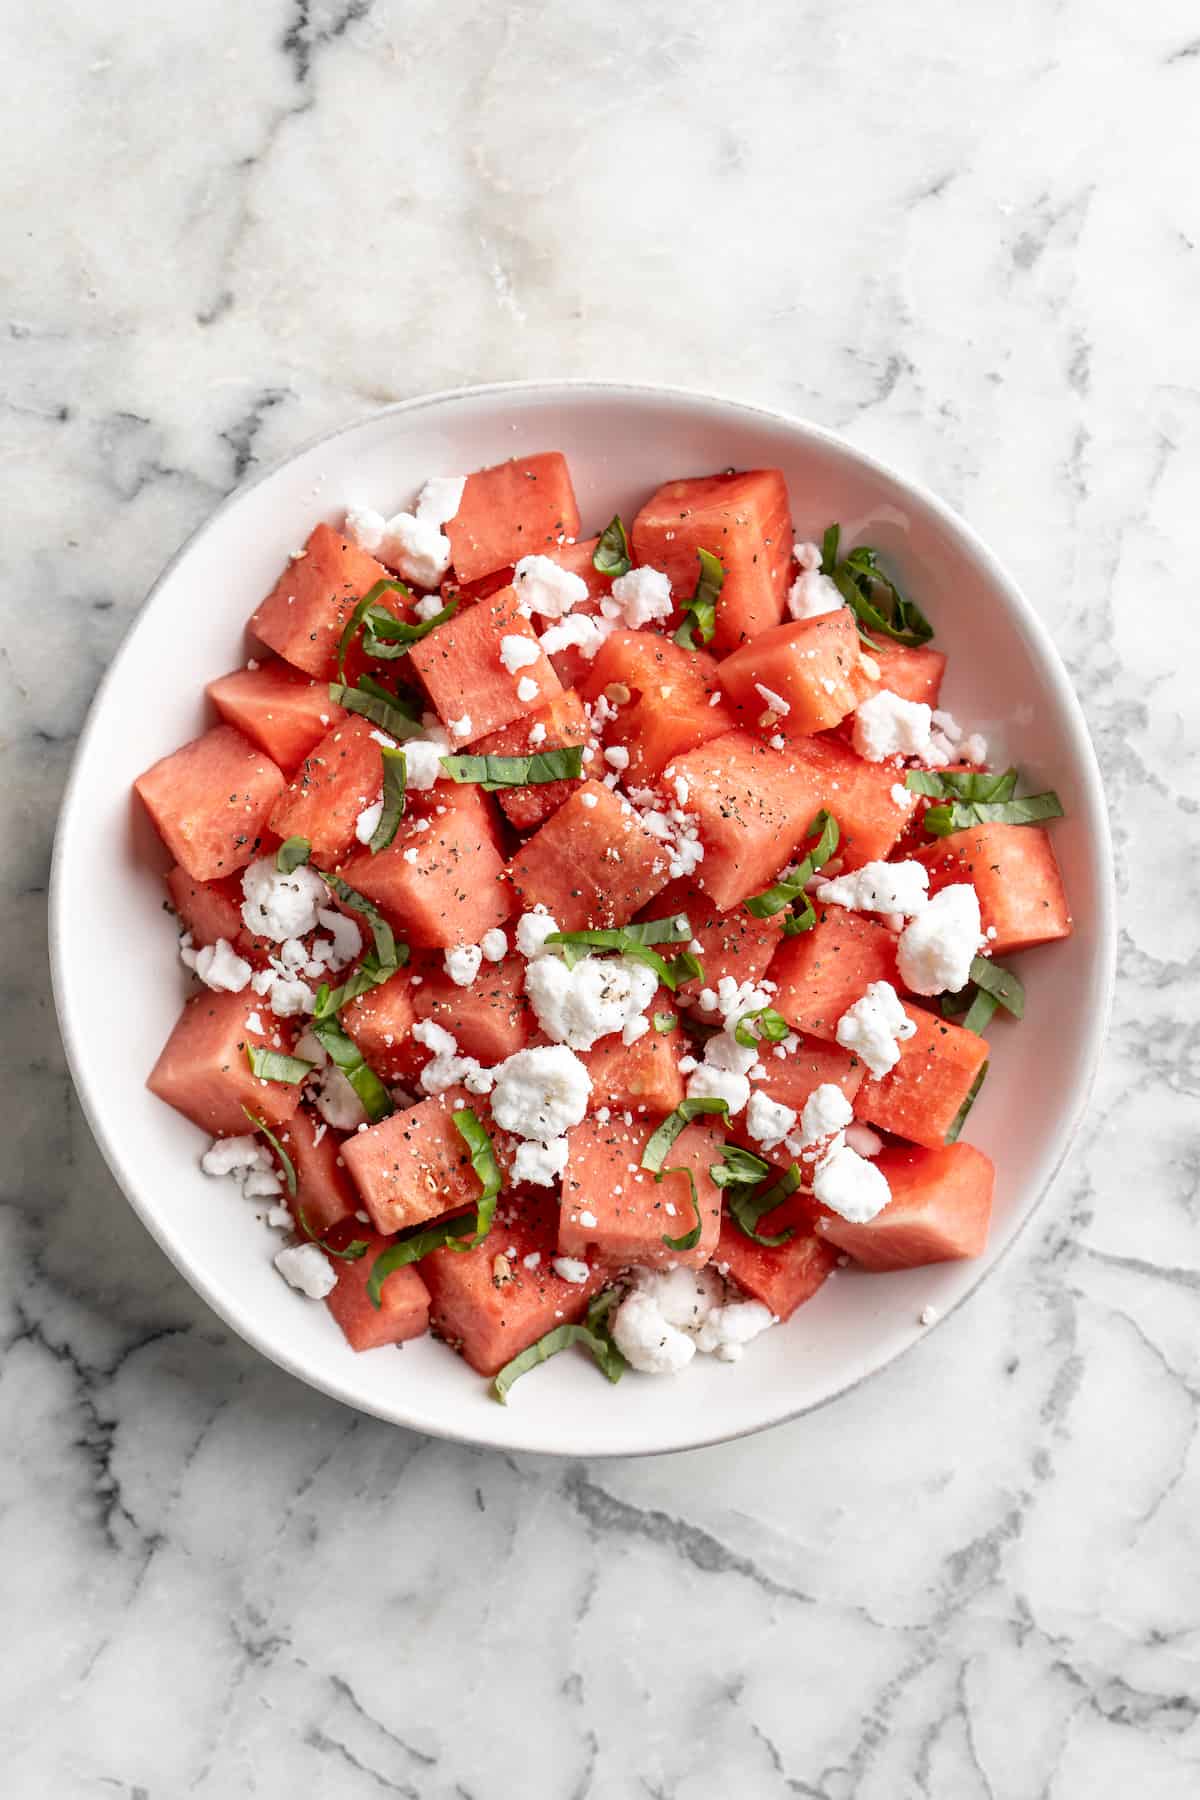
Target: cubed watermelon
912,671
750,811
555,726
922,1096
203,1072
807,664
731,943
415,1164
790,1079
668,699
304,615
615,1211
744,519
1013,870
208,909
940,1209
492,1302
525,507
822,972
783,1276
324,1192
460,663
211,801
642,1076
379,1021
276,707
338,779
443,884
591,863
403,1310
868,800
490,1019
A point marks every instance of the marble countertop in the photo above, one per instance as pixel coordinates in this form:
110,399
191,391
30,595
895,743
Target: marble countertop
964,237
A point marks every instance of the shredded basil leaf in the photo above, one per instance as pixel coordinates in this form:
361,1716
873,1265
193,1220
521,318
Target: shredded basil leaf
747,1205
384,713
370,973
961,784
691,1238
291,853
391,955
788,891
738,1168
1000,983
611,555
665,1022
875,600
594,1335
273,1065
700,614
412,1248
655,1153
286,1164
377,1103
386,638
395,782
634,941
765,1025
483,1161
959,815
362,606
351,1252
492,772
960,1117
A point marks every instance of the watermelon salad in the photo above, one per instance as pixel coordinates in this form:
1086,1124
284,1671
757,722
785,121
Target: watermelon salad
595,940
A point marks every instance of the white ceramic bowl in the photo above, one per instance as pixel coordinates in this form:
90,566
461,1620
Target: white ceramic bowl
119,985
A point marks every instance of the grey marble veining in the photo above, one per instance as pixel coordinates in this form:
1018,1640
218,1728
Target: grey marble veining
967,237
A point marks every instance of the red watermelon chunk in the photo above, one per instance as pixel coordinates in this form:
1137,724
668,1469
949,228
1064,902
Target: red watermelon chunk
490,1019
750,812
591,863
912,671
211,801
442,885
744,519
940,1209
208,909
789,1080
784,1276
921,1097
324,1193
871,816
379,1021
642,1076
731,943
202,1069
338,779
415,1164
1013,870
304,615
277,708
403,1312
807,663
492,1302
555,726
673,702
461,667
616,1211
525,507
822,972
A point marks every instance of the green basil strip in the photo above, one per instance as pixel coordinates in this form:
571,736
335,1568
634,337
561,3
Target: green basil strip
1001,984
377,1103
959,815
273,1065
408,704
291,853
960,1117
370,973
748,1205
351,1252
285,1162
361,608
872,596
595,1336
700,614
611,555
634,941
789,889
739,1168
492,772
665,1022
979,1013
961,784
412,1248
395,782
691,1238
391,955
765,1025
655,1153
384,713
483,1161
387,638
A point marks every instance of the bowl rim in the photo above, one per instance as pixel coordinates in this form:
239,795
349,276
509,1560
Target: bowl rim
1066,699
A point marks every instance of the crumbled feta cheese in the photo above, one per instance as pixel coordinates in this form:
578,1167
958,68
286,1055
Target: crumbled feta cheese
279,906
428,607
527,689
887,725
234,1155
463,963
768,1121
337,1102
581,632
545,588
850,1185
647,1340
638,598
729,1328
589,800
537,735
288,999
345,939
254,1023
219,967
633,1029
411,854
423,759
617,757
446,1067
440,498
367,822
571,1269
306,1267
533,928
882,887
599,996
518,652
973,749
540,1093
494,945
461,728
682,791
875,1027
775,701
901,796
812,593
415,547
540,1163
826,1111
709,1083
929,1315
936,950
669,1314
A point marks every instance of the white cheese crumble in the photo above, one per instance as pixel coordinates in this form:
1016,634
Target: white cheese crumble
423,757
337,1102
540,1093
543,587
812,593
599,996
367,822
446,1067
527,689
768,1121
850,1185
306,1267
875,1027
494,945
582,632
887,725
537,735
540,1163
670,1314
709,1083
218,966
638,598
533,928
461,728
935,951
462,964
929,1315
571,1269
775,701
518,652
418,549
279,906
882,887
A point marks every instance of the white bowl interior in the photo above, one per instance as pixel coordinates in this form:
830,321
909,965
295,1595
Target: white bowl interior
119,984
